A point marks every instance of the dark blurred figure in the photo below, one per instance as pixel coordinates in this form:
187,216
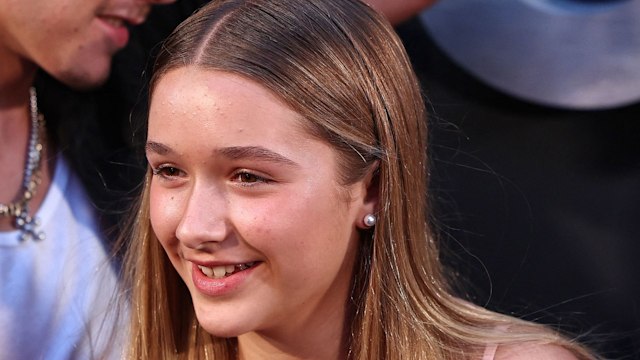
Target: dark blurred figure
538,203
56,278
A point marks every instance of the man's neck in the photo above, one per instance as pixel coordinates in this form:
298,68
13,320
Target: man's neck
14,116
16,76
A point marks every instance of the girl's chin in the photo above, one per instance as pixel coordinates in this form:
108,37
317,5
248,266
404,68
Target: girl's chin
220,332
219,328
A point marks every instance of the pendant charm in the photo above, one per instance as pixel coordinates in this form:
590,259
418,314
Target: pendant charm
28,227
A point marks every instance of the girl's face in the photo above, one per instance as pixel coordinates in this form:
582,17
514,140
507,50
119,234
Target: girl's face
249,208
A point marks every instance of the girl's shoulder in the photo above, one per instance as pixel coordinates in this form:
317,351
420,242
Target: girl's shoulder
529,351
528,341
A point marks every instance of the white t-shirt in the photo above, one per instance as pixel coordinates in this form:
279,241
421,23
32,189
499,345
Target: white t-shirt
55,293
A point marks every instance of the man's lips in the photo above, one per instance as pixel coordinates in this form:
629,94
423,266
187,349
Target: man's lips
131,16
115,29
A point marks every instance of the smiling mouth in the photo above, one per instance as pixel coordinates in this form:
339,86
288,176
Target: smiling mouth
219,272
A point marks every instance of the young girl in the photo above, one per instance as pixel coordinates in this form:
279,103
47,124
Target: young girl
284,213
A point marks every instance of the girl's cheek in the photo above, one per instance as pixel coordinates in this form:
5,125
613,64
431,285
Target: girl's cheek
164,214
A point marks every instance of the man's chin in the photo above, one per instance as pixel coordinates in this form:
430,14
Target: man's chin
83,80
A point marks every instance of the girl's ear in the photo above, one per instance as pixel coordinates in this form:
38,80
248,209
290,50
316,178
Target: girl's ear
371,184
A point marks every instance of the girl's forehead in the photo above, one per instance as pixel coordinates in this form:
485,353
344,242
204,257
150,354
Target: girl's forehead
225,108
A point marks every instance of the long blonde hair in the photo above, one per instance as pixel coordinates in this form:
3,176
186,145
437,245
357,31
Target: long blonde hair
342,67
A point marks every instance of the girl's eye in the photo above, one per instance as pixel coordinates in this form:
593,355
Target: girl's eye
167,171
248,178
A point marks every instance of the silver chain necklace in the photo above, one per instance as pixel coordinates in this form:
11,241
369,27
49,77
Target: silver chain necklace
19,210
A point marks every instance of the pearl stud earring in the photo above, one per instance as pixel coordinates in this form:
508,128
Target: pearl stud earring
370,220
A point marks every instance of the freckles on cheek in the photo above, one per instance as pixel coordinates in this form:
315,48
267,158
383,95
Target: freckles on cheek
164,215
257,224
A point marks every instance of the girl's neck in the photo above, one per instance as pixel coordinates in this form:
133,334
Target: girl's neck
254,346
320,337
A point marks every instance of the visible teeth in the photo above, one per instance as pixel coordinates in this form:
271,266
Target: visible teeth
206,270
218,272
245,266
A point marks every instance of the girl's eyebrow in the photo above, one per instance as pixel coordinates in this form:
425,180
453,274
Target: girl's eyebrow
231,152
254,152
158,148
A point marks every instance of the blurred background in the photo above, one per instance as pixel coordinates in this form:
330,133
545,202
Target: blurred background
535,145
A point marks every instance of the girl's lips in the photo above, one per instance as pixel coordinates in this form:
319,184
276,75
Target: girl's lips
219,271
223,285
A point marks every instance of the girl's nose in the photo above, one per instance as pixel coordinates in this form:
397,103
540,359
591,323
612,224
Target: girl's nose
204,220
